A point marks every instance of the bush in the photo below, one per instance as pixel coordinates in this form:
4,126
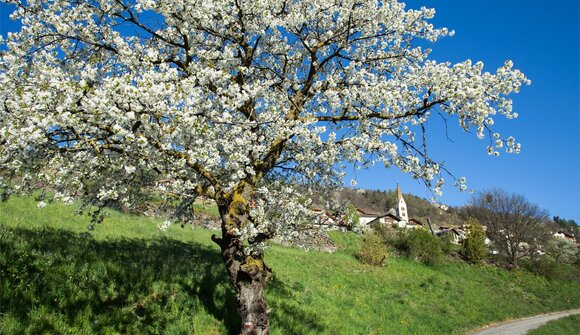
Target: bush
473,247
447,245
388,235
549,268
420,245
373,250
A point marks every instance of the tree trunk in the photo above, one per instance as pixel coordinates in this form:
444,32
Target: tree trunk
248,274
252,304
430,226
246,270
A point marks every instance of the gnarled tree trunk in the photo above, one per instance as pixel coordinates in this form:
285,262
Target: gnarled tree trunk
246,270
248,275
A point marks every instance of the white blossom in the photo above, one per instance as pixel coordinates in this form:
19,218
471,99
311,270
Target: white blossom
99,100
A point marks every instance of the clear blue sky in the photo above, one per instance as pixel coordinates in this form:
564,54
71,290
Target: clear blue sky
542,38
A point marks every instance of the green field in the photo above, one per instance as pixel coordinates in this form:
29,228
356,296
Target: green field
566,326
131,278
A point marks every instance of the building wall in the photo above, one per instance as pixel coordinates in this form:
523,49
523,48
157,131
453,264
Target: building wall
402,210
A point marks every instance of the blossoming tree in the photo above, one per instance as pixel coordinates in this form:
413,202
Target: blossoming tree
245,102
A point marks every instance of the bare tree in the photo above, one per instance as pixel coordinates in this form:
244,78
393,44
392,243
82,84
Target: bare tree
516,226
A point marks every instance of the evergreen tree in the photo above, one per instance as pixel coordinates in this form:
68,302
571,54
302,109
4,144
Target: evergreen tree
473,247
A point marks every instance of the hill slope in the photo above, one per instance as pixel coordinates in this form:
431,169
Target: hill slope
129,277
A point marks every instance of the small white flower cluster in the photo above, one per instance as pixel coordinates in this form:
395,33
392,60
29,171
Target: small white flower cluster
163,226
461,183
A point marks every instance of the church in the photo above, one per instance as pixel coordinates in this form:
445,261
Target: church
401,206
398,216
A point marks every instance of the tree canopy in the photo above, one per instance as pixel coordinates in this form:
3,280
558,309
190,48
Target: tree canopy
211,94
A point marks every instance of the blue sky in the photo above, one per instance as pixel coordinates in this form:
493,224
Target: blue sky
542,38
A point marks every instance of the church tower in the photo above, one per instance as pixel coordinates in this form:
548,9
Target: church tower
401,205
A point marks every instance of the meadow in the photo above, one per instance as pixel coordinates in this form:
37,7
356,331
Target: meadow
564,326
129,277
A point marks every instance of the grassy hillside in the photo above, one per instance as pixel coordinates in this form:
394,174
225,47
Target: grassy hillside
131,278
566,326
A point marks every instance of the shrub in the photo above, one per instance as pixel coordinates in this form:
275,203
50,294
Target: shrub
420,245
388,234
373,250
447,245
549,268
473,247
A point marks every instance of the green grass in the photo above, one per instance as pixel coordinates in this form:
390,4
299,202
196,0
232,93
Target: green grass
209,210
131,278
566,326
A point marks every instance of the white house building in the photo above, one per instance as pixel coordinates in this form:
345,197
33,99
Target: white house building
365,217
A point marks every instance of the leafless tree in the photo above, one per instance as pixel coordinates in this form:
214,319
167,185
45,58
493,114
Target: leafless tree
516,226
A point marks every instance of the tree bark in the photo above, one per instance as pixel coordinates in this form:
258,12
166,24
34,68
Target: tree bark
247,270
251,302
248,274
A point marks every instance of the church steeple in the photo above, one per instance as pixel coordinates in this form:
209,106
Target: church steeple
401,205
399,194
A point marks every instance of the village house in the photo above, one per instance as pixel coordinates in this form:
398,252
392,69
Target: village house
565,235
414,223
327,221
455,234
391,219
322,216
366,218
459,233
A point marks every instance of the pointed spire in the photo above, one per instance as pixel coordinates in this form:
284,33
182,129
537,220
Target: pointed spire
399,194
